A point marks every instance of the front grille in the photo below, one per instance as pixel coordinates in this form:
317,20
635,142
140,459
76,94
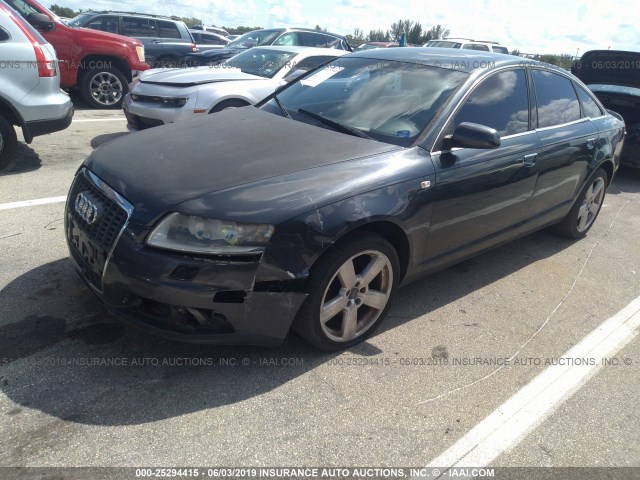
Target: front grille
91,243
104,231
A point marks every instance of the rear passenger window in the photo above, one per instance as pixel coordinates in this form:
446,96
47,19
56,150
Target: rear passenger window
138,27
500,102
308,39
589,107
212,40
556,98
476,46
167,29
288,39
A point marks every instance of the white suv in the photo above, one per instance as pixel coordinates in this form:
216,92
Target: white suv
30,95
468,44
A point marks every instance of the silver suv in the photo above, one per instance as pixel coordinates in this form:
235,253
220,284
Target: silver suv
30,95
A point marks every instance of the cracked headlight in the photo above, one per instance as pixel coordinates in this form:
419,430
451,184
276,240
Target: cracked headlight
188,233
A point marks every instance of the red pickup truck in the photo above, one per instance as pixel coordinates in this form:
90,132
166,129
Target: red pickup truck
99,64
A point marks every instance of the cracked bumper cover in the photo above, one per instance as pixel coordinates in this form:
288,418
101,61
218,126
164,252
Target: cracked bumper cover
217,304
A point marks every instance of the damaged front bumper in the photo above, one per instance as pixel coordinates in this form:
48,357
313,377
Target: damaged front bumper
214,300
194,299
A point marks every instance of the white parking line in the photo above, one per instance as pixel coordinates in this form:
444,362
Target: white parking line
509,423
31,203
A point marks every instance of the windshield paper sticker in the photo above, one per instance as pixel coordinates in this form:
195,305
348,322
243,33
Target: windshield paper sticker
319,77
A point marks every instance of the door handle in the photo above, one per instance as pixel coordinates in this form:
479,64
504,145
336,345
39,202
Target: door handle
591,142
530,160
156,41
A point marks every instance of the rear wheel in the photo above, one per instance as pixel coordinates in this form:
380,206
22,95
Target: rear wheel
350,290
585,211
103,87
8,142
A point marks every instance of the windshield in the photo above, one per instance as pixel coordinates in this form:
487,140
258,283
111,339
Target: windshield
255,39
390,101
24,9
443,44
260,61
80,20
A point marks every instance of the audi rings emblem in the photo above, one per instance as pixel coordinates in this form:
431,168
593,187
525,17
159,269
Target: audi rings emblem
87,208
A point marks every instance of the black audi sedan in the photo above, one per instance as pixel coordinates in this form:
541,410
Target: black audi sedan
309,211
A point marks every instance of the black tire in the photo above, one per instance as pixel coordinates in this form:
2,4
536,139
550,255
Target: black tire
326,287
8,142
584,212
228,104
166,62
103,87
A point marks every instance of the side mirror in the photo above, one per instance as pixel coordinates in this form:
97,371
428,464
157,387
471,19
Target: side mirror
472,135
40,21
293,75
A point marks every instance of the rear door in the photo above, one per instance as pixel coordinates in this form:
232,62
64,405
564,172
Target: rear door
568,141
145,30
482,194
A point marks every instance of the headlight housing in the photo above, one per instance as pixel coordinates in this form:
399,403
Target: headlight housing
192,234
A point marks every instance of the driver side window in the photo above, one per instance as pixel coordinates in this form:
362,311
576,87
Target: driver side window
500,102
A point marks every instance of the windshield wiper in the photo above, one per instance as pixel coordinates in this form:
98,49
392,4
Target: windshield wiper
284,110
337,125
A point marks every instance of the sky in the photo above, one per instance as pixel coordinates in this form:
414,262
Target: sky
543,26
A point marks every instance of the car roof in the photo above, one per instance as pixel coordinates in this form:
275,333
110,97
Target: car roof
451,58
299,29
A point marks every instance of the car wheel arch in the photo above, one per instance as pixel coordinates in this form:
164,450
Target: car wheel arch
117,62
230,102
387,229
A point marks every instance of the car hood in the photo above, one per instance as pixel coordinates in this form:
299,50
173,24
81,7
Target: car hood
609,67
159,168
220,52
195,76
98,35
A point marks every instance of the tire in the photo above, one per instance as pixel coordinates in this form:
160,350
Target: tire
8,142
103,87
166,62
585,211
227,104
337,282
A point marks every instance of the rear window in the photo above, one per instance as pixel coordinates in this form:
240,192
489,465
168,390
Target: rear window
556,98
138,27
167,29
504,50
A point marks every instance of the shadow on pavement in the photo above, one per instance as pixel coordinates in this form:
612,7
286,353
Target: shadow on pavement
25,159
62,353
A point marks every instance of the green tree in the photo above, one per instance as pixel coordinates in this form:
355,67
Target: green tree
378,36
65,12
435,32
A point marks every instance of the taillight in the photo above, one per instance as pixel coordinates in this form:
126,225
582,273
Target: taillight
194,49
45,61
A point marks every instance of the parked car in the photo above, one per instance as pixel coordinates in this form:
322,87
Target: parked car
207,28
372,45
274,36
30,95
614,76
309,211
468,44
208,40
170,95
166,39
232,37
100,65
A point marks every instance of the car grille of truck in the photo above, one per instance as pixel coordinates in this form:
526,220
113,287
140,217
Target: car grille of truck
102,234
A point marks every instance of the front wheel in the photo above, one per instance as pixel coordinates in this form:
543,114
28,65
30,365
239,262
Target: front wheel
103,87
585,211
350,290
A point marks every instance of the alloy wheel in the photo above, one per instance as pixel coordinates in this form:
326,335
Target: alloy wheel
591,204
106,88
356,296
